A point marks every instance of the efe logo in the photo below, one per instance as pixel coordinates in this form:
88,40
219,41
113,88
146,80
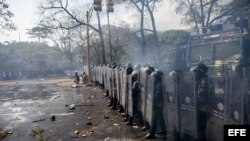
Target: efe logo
241,132
237,132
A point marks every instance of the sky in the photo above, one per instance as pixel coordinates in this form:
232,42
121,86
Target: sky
25,17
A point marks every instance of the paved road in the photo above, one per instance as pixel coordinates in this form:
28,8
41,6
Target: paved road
27,106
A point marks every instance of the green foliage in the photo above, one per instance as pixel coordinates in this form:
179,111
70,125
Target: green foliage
173,38
5,16
31,57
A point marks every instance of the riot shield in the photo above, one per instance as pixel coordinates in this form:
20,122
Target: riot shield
247,100
172,106
117,77
236,102
104,77
109,81
130,98
143,85
123,88
217,110
149,100
114,87
188,105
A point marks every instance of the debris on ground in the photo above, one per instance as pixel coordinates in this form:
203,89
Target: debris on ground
76,132
90,131
84,135
53,118
72,106
89,123
56,97
38,133
105,116
107,139
115,124
89,118
39,120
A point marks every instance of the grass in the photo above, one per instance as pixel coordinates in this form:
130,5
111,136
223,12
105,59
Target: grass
3,133
38,133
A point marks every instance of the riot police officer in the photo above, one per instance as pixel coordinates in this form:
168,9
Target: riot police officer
77,78
201,79
129,70
135,96
157,106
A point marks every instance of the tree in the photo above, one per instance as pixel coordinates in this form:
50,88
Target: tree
203,13
5,16
145,7
60,14
31,57
39,32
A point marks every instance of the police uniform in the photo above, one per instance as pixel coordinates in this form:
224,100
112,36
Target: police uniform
157,106
135,96
202,97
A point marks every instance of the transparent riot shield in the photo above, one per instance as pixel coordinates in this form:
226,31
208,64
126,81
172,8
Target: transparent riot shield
109,82
114,86
130,98
118,86
188,105
236,102
106,78
123,88
112,83
172,106
149,100
143,94
217,110
247,100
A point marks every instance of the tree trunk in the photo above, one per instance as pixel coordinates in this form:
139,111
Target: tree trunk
101,37
156,40
195,19
143,42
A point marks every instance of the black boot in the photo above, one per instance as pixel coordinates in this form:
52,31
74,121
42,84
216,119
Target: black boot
130,121
150,136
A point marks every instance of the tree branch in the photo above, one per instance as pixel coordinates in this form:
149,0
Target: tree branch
150,30
135,4
225,13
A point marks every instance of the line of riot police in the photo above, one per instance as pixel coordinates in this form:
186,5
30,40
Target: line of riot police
182,105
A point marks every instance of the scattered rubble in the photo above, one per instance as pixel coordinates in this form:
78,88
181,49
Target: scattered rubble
53,118
76,132
39,120
89,123
72,106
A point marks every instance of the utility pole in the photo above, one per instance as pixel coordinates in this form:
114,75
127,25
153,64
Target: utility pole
110,8
89,72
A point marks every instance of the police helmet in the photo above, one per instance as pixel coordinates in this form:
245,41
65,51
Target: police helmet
201,68
149,70
134,75
129,69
